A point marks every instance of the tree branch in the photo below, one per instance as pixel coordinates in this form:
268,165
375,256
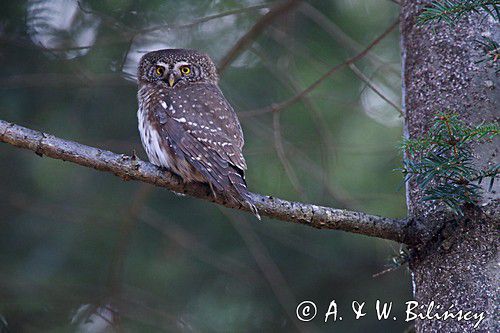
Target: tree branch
203,19
131,168
375,89
255,31
276,107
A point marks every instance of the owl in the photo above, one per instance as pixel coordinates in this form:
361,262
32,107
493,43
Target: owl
187,125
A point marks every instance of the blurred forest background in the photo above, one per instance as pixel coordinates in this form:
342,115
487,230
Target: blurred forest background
80,249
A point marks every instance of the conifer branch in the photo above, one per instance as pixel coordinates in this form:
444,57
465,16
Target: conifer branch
491,52
451,11
442,163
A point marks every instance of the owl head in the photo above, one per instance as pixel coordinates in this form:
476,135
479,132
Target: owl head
173,68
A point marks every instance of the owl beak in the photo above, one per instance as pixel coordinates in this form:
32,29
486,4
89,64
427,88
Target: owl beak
171,79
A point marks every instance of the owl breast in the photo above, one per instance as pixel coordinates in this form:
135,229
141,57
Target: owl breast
159,150
152,142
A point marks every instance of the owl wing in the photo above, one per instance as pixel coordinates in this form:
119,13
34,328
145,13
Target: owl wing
201,125
211,120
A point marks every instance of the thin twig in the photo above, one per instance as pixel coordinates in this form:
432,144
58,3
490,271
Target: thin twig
130,168
196,248
286,78
203,19
127,225
375,89
107,20
280,151
338,34
269,269
255,31
283,105
281,38
337,193
127,33
190,244
60,80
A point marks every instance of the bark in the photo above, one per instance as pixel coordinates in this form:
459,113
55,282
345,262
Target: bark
131,168
458,266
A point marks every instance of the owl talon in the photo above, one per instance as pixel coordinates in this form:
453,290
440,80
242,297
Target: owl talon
254,210
213,191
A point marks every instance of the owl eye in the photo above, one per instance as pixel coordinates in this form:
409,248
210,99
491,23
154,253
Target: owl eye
185,70
159,70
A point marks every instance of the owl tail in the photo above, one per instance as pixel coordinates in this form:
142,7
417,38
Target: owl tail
241,193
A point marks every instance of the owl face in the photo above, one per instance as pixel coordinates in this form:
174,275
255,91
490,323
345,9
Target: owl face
174,68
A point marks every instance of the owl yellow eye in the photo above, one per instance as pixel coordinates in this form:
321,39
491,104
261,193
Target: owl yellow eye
185,70
159,70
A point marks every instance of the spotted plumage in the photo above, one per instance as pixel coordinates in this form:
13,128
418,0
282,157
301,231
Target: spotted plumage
187,125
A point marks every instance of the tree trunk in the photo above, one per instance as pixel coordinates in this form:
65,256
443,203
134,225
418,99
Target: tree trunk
457,267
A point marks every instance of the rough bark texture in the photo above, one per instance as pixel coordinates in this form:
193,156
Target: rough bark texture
130,168
458,266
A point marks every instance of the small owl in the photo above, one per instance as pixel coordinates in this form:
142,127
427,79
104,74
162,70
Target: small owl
187,125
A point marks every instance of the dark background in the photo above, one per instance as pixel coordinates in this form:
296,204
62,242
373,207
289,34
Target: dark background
77,245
